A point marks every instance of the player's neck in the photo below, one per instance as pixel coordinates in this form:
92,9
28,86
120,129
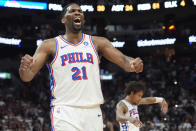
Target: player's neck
128,98
73,37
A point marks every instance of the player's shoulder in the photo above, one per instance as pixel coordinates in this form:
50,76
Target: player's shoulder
48,42
121,103
122,106
99,39
48,45
100,42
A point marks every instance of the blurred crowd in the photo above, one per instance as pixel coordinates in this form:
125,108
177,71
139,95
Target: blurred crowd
28,31
120,32
25,106
168,76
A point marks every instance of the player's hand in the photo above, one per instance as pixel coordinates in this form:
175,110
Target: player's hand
137,123
164,107
137,65
26,62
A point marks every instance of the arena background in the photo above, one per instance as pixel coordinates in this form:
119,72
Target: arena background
162,33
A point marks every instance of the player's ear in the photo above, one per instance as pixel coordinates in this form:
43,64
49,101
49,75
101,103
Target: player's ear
63,20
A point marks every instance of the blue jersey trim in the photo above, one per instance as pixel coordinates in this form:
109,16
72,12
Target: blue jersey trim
55,52
70,42
51,83
94,46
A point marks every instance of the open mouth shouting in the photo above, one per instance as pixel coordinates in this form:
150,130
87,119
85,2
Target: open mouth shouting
77,22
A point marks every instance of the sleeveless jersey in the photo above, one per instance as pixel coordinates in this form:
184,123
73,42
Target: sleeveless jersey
74,74
132,112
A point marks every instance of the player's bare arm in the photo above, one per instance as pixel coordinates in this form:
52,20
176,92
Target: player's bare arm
31,65
121,110
127,63
154,100
110,125
147,100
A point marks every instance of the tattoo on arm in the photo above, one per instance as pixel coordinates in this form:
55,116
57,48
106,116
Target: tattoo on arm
121,110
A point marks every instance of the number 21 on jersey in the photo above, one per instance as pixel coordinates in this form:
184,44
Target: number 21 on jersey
79,74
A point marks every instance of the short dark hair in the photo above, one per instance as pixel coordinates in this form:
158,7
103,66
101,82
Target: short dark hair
134,86
65,9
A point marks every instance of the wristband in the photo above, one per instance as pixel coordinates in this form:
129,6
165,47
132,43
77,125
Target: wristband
158,99
131,119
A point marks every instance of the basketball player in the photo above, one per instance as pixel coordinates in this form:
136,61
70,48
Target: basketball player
73,64
126,110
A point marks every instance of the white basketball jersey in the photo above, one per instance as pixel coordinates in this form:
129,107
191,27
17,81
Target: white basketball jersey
74,74
132,112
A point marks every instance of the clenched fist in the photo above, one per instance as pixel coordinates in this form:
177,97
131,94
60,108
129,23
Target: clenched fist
137,65
137,123
164,107
26,62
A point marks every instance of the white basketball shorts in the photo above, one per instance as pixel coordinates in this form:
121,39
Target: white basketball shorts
67,118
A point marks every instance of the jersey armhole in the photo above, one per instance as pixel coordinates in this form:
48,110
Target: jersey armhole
56,52
94,48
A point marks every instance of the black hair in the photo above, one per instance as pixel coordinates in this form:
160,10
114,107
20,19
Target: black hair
134,86
65,6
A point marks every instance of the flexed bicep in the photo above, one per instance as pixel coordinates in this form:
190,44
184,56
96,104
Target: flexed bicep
40,57
115,56
31,65
108,51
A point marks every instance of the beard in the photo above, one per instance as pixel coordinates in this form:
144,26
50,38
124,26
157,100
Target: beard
77,29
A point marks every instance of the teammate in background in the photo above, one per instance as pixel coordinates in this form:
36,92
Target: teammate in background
127,109
73,64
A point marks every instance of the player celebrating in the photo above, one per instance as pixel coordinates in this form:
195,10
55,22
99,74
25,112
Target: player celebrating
126,110
73,64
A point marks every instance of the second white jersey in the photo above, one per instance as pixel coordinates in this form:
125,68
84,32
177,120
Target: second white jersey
74,74
132,112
